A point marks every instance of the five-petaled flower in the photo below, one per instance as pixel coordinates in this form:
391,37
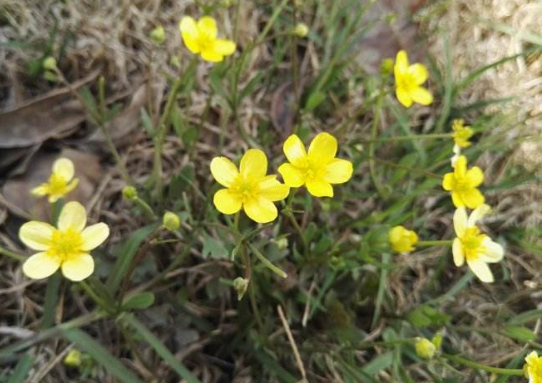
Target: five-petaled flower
249,188
473,246
318,169
60,183
66,247
201,38
533,367
402,240
408,81
463,184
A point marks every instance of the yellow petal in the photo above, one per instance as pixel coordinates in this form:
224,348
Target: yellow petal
189,33
261,210
63,167
36,235
320,188
481,270
418,72
72,185
338,171
475,176
207,27
403,96
40,265
457,251
472,198
78,267
457,199
94,235
295,150
273,190
532,358
448,181
421,96
226,202
401,61
73,216
478,214
212,56
460,169
43,189
253,164
460,221
323,147
224,47
494,251
293,177
224,171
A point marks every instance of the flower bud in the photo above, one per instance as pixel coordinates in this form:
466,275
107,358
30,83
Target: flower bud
386,67
158,35
240,285
171,221
129,193
301,30
402,240
73,358
49,63
282,243
425,348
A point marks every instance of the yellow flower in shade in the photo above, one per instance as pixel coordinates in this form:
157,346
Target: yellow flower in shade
408,81
60,183
201,38
402,240
533,367
425,348
249,188
463,184
318,169
461,134
66,247
471,245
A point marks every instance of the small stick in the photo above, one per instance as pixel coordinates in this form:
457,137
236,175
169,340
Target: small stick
292,343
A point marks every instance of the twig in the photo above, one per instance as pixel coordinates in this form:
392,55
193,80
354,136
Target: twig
292,343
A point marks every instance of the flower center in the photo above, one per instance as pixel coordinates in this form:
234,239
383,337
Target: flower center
57,184
66,244
314,169
407,82
472,243
245,189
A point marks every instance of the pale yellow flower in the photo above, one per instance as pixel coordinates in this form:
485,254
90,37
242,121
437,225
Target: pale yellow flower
60,183
463,184
408,81
201,38
66,247
533,367
473,246
402,240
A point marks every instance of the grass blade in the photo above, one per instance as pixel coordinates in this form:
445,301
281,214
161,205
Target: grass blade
22,369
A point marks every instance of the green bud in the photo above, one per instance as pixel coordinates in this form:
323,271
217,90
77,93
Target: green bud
282,243
171,221
425,348
175,61
158,35
49,63
437,340
240,285
386,67
227,3
301,30
73,358
129,193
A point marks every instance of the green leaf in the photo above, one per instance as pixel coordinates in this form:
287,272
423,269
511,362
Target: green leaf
424,316
213,248
103,357
159,347
526,317
22,369
147,122
314,100
138,301
523,334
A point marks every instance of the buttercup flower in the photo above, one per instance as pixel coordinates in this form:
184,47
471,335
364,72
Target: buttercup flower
533,367
462,133
470,244
463,184
318,169
66,247
60,183
249,188
402,240
408,81
201,38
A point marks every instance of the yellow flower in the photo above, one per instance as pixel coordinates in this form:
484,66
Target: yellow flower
301,30
402,240
66,247
463,184
470,244
425,348
408,81
461,134
73,358
533,367
249,188
318,168
201,38
60,183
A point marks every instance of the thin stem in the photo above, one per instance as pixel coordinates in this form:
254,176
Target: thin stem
92,294
12,255
266,262
479,366
435,243
405,138
374,133
147,210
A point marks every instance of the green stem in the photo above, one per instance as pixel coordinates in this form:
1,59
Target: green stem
479,366
93,295
51,300
12,255
266,262
374,133
406,138
435,243
147,210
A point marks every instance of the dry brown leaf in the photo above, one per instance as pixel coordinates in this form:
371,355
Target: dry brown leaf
16,191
